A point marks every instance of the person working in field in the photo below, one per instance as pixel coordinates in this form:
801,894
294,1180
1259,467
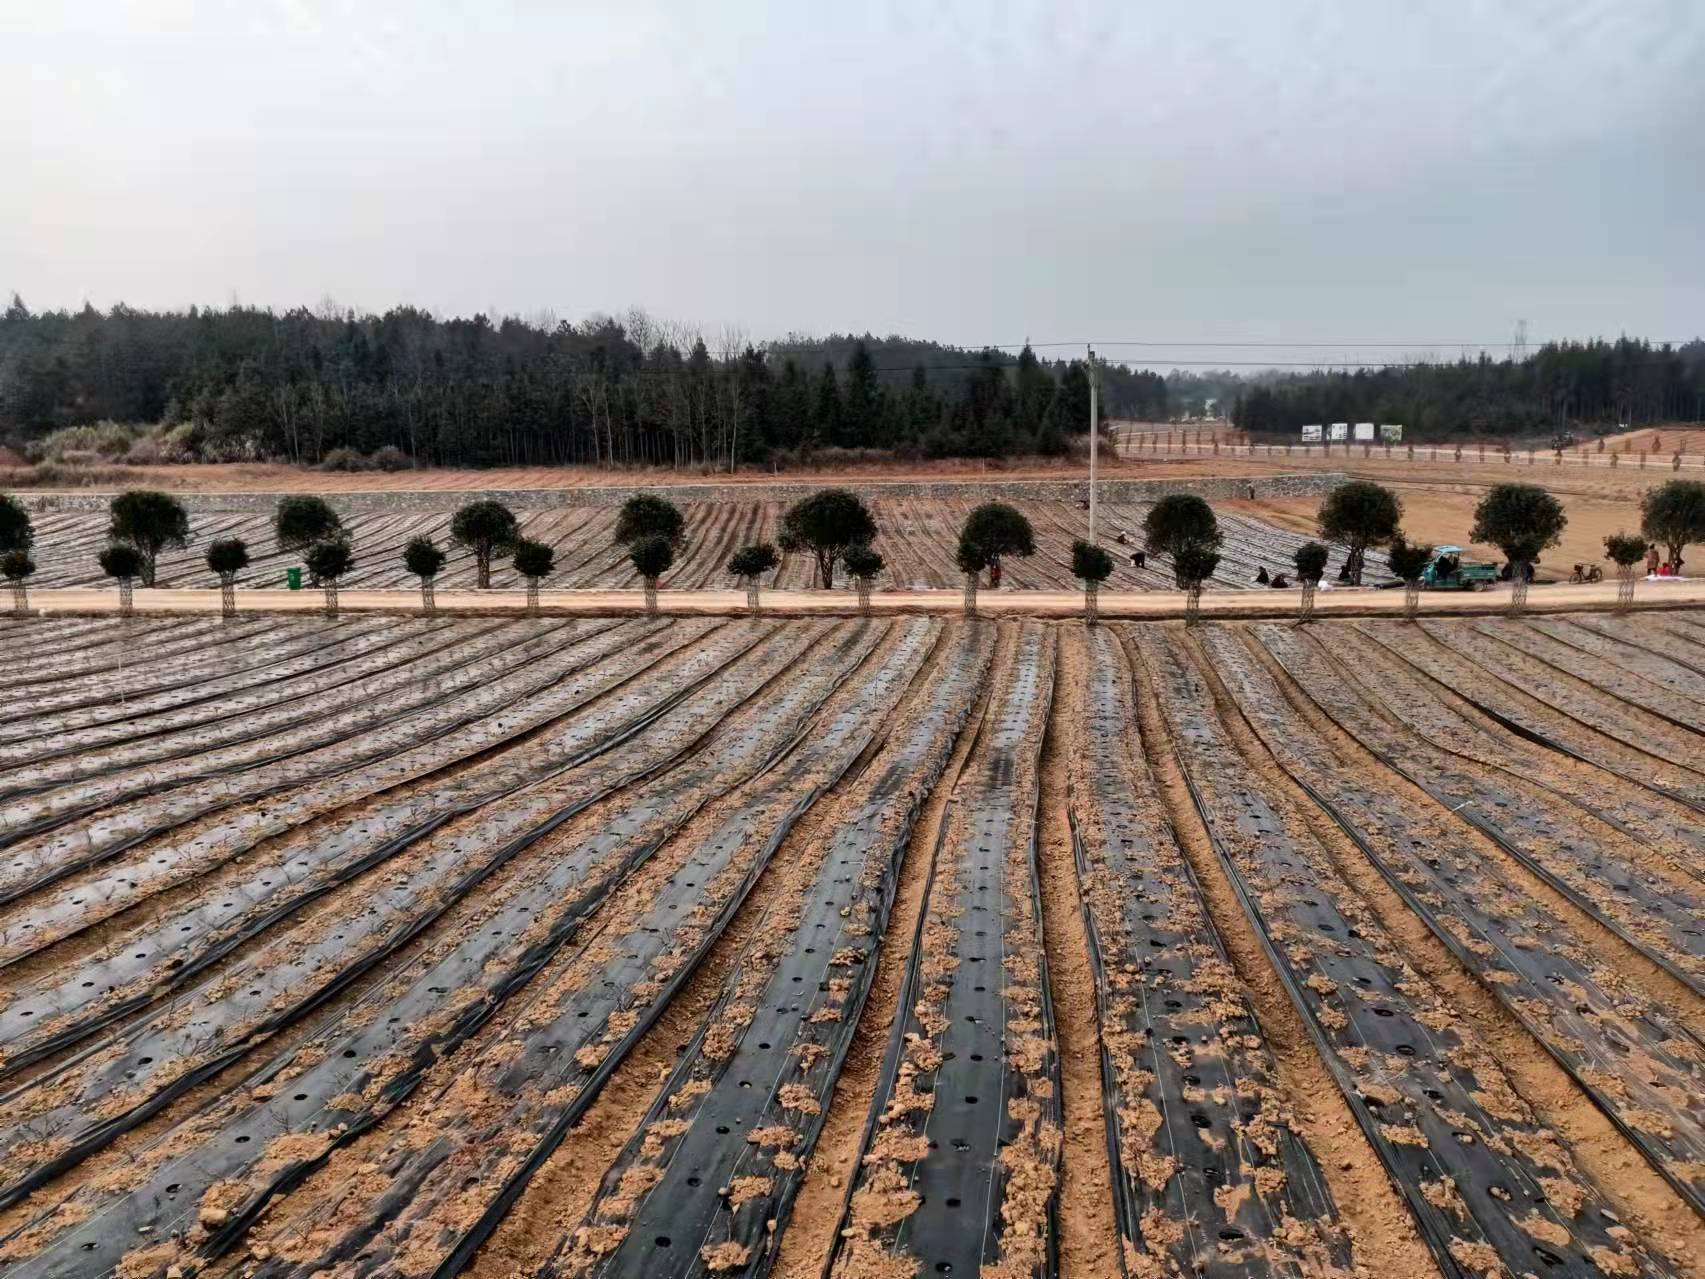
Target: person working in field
1261,575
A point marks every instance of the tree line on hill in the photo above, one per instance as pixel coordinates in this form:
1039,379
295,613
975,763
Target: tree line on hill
1560,387
339,387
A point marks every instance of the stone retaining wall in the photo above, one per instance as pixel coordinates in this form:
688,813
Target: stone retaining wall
1302,484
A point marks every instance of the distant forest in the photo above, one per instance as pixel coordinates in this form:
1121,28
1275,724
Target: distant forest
245,383
1560,387
304,386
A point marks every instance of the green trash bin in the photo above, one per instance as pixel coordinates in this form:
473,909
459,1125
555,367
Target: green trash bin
293,578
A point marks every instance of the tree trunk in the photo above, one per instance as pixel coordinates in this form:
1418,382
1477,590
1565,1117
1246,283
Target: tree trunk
532,597
970,594
1411,599
1518,588
1192,603
428,601
1090,602
330,588
651,595
863,585
1307,611
20,597
227,595
1624,585
483,569
147,570
752,594
126,597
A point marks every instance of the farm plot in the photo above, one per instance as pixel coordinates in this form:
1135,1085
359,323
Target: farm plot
917,539
588,949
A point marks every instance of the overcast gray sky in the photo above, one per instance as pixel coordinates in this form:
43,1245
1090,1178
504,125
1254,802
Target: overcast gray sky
1364,170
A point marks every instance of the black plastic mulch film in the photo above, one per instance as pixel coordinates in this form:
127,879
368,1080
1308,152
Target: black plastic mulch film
75,756
979,1084
1474,1180
723,1148
164,1054
331,775
1551,727
1484,919
1219,1184
1493,784
587,1011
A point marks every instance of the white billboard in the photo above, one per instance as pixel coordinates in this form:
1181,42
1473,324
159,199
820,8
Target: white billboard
1391,432
1338,431
1364,430
1311,434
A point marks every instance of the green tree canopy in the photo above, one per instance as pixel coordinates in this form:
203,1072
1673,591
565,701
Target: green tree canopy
486,527
1179,520
997,531
1091,563
1409,560
228,556
120,561
330,560
150,522
753,561
423,558
299,521
1310,560
15,566
647,515
1360,514
863,562
1194,563
16,531
1521,520
1625,549
651,556
827,523
1673,515
534,559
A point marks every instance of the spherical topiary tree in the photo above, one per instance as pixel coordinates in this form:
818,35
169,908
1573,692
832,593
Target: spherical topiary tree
999,530
301,520
1409,562
651,557
1092,566
1192,565
423,558
328,561
228,556
122,562
1520,520
17,533
863,564
647,515
1310,561
1625,551
1360,514
749,564
533,561
150,522
487,528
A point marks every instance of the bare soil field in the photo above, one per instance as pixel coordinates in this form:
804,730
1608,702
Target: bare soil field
868,947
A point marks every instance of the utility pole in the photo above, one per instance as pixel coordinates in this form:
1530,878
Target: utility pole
1094,433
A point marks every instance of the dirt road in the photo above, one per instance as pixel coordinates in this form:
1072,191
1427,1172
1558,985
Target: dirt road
1147,604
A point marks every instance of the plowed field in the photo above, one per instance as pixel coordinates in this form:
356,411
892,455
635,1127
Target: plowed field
860,948
917,539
